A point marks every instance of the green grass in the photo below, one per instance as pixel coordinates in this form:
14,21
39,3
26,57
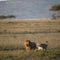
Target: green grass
32,55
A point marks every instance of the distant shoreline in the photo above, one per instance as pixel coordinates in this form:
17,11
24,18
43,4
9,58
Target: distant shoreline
29,20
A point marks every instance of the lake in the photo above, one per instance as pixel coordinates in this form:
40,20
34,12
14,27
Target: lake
27,9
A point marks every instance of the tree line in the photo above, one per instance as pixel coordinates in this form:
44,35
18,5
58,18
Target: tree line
5,17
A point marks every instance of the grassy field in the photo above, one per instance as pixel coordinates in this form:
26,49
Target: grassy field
14,32
32,55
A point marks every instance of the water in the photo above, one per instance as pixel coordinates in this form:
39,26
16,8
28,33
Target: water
27,9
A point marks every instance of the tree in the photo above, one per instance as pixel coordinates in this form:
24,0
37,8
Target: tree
5,17
56,9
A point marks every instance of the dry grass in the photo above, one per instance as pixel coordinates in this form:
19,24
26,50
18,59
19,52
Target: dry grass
14,32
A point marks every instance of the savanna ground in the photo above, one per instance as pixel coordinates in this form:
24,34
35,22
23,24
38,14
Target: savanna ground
14,32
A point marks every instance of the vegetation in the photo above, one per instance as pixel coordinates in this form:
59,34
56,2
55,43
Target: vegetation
55,8
32,55
5,17
14,32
